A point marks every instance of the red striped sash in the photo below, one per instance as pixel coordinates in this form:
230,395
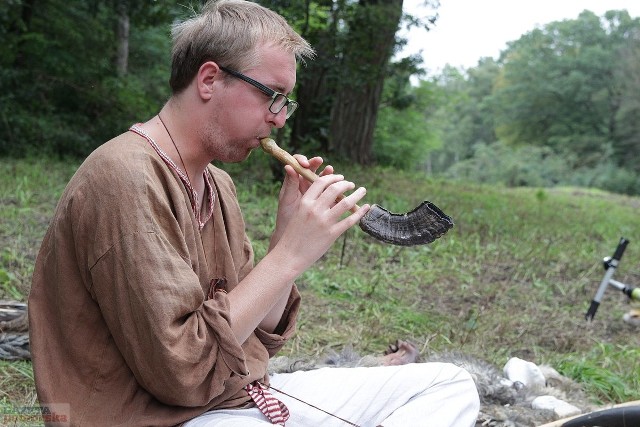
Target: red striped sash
271,407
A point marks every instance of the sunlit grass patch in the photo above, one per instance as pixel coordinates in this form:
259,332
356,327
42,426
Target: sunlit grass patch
610,373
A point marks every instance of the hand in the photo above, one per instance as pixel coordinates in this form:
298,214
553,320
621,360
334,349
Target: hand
400,353
293,187
309,221
309,218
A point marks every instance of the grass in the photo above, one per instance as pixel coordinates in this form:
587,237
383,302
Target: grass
17,388
29,190
514,277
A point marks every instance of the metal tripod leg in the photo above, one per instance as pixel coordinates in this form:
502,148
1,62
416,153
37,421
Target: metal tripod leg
611,264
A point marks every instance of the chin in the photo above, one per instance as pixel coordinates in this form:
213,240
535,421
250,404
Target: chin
240,158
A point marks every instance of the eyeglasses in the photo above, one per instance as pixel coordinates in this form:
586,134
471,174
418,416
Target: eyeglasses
278,100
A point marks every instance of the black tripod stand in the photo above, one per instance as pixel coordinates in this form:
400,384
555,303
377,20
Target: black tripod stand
610,265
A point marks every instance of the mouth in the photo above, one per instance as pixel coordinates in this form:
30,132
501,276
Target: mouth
258,139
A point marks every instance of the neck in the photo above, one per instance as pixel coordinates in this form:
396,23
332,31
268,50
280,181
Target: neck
181,145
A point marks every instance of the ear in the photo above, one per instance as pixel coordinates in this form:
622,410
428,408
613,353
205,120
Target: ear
208,74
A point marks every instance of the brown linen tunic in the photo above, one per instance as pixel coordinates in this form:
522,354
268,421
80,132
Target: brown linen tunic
124,325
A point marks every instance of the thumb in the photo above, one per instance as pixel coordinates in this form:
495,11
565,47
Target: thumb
289,192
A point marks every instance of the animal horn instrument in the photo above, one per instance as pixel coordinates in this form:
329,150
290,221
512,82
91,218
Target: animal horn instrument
421,226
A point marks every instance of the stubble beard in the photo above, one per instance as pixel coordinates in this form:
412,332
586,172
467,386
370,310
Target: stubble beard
217,146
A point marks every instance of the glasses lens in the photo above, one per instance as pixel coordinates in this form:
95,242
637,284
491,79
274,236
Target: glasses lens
291,107
280,101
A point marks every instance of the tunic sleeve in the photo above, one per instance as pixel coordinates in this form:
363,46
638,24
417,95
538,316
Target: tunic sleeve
273,342
179,348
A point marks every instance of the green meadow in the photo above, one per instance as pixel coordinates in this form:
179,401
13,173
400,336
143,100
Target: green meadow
514,277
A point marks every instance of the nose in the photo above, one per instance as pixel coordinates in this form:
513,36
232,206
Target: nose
278,120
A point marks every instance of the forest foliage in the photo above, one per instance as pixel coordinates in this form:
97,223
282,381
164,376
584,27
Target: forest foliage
559,106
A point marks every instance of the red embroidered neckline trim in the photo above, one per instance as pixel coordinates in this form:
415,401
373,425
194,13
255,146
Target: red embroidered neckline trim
193,195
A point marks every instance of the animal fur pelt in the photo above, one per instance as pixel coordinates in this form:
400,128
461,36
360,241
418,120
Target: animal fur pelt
13,316
503,403
14,327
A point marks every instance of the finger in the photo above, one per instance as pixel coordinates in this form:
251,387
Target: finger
317,188
304,162
331,195
351,220
315,163
291,178
328,170
289,190
349,202
291,173
311,164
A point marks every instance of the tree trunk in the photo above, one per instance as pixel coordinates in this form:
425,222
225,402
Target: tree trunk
23,27
122,36
368,48
311,120
316,87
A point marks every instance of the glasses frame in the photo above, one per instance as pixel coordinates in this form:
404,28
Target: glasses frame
290,104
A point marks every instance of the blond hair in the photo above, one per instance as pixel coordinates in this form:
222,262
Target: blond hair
229,32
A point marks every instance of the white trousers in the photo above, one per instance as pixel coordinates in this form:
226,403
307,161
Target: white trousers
417,394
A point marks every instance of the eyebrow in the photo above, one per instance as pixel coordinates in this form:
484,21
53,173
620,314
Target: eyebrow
276,87
280,89
271,87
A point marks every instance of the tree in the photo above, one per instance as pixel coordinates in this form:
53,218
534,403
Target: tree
319,24
367,49
122,37
464,118
560,87
101,63
143,13
354,42
627,116
69,98
561,105
403,137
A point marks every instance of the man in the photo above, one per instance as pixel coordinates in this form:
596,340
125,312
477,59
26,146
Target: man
146,308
